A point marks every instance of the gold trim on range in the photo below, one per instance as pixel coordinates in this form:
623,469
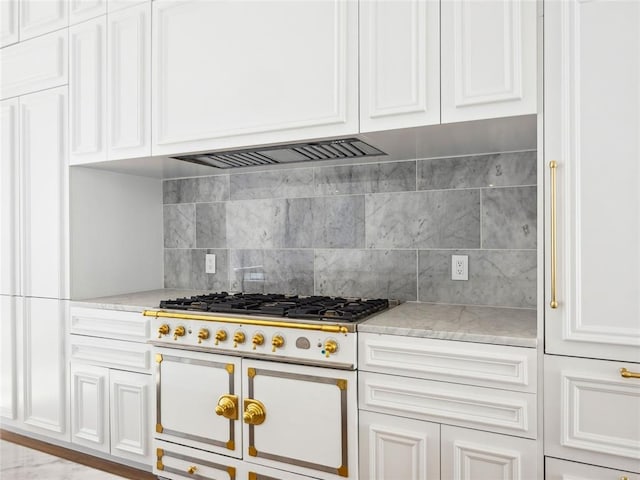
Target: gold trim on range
553,167
159,454
624,373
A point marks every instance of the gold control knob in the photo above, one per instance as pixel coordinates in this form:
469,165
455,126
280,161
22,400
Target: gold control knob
254,412
330,346
178,332
228,407
277,342
163,330
221,336
192,469
238,337
203,334
258,339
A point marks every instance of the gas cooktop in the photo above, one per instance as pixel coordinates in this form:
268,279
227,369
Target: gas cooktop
279,305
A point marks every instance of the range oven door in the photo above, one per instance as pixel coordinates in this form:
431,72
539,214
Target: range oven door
300,418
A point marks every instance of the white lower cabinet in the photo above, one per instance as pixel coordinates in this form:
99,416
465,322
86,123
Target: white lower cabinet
555,469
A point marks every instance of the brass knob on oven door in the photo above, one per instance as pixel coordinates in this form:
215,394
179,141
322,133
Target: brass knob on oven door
192,469
221,336
277,342
178,332
203,334
258,339
238,337
228,407
163,330
330,346
254,412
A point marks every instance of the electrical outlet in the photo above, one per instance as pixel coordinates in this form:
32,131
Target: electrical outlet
459,267
210,263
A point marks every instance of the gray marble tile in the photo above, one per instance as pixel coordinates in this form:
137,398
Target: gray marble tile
179,226
178,191
270,223
271,271
200,279
366,273
211,189
439,219
211,225
497,278
509,217
273,184
177,268
501,169
370,178
338,222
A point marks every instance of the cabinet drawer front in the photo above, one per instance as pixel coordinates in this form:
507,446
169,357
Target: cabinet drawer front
177,462
563,470
511,368
592,412
110,353
95,322
488,409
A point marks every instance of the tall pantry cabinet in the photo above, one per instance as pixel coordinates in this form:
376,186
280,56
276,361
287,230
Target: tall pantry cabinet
592,306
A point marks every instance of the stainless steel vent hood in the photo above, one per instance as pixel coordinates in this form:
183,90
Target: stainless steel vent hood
346,148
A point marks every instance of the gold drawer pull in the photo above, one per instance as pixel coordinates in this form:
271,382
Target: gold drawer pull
192,469
553,166
627,374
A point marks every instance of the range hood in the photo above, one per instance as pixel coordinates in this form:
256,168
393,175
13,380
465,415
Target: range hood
342,149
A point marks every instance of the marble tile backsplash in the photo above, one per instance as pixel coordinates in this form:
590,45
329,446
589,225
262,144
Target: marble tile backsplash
372,230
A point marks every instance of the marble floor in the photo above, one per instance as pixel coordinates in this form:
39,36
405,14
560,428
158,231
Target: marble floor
22,463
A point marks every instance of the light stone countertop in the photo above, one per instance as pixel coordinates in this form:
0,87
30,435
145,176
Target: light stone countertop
494,325
135,302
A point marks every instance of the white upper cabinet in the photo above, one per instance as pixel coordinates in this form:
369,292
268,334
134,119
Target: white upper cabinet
9,200
8,22
240,73
399,64
488,59
42,16
81,10
592,120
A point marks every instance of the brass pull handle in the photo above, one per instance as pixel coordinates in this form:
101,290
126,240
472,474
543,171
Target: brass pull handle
553,166
624,373
192,469
254,412
228,407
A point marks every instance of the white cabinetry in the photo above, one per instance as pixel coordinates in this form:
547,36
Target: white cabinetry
8,22
9,199
238,73
38,17
10,310
81,10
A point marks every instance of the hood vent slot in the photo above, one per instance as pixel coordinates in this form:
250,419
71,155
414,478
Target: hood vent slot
349,148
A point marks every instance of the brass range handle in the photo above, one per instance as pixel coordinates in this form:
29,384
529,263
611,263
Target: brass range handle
277,342
330,347
178,332
624,373
228,407
203,334
254,412
163,329
553,167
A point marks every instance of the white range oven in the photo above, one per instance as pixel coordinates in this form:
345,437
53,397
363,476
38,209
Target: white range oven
257,387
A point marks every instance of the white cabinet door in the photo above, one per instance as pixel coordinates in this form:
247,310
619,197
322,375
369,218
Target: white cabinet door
43,134
81,10
240,73
9,200
555,469
398,448
42,16
129,83
90,406
8,358
88,91
8,22
592,413
592,122
399,64
473,454
132,408
488,59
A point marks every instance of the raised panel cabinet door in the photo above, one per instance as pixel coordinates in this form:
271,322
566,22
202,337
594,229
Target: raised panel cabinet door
591,130
238,73
8,357
555,469
473,454
398,448
90,406
88,91
129,82
399,64
43,152
42,16
488,59
44,376
81,10
9,199
8,22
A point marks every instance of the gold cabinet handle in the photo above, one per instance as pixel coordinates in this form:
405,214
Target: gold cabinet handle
254,412
192,469
624,373
228,407
553,166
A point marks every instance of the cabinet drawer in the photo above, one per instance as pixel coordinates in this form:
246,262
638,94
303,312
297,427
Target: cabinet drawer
563,470
110,353
131,326
488,409
178,462
592,413
498,366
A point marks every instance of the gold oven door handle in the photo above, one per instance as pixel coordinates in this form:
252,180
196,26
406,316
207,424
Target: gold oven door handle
624,373
553,167
228,407
255,412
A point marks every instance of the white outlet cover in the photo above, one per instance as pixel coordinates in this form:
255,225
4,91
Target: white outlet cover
459,267
210,263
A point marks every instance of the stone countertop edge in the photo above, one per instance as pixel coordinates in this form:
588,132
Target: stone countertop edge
135,302
479,324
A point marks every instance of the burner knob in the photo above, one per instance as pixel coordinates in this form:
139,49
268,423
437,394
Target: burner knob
221,336
203,334
277,342
258,339
178,332
163,330
330,346
238,337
